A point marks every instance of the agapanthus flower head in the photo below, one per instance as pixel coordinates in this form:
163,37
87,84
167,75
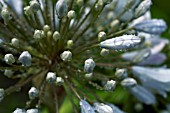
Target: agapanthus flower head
69,49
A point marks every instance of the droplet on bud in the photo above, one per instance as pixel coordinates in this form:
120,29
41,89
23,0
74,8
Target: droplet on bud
9,59
89,65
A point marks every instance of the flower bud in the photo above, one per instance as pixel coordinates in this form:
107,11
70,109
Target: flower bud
46,28
88,75
61,8
2,92
8,73
34,5
121,43
71,14
79,2
89,65
51,77
154,26
33,93
66,56
99,5
9,59
6,14
129,4
104,52
143,7
102,108
18,110
28,10
128,82
59,81
37,34
15,42
70,44
56,36
33,111
115,24
86,107
110,85
121,73
25,58
101,36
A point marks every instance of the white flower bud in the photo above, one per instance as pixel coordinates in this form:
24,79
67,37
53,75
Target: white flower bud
143,7
128,82
59,81
33,93
89,65
104,52
56,36
61,8
51,77
9,59
15,42
37,34
101,36
66,56
35,6
102,108
71,14
18,110
46,28
8,73
70,44
110,85
115,24
2,92
6,14
25,58
121,73
32,111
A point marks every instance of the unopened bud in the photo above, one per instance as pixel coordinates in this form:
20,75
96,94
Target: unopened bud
101,36
71,14
56,36
110,85
25,58
61,8
104,52
89,65
59,81
51,77
9,59
33,93
66,56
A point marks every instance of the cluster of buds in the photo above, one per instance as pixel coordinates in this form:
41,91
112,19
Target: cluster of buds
69,48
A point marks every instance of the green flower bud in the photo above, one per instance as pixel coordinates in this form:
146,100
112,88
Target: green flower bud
104,52
2,93
79,2
71,14
9,59
46,28
28,10
56,36
110,85
99,5
59,81
15,42
51,77
25,58
6,14
37,34
88,75
66,56
61,8
115,24
8,73
33,93
101,36
70,44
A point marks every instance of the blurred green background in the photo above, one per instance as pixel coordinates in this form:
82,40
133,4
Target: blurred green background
160,9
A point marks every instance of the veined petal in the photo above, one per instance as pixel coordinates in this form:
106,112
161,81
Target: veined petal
142,94
159,74
154,26
121,43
